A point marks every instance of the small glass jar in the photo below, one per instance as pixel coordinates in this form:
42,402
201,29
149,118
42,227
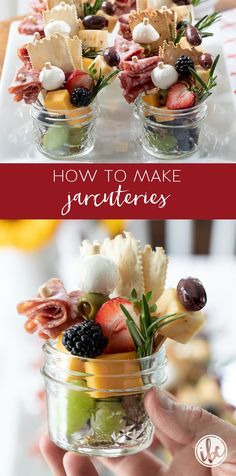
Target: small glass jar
96,406
64,134
170,134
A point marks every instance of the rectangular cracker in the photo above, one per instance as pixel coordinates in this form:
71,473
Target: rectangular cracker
154,269
67,13
94,38
164,22
127,254
75,50
170,53
54,49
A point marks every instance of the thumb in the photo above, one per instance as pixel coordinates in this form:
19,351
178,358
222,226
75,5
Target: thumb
184,423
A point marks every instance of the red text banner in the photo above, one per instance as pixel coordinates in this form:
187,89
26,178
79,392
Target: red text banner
131,191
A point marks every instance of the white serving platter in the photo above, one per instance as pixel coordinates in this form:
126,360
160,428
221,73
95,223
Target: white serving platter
117,136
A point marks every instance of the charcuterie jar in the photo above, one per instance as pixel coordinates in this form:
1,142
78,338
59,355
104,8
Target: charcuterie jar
68,134
168,134
96,406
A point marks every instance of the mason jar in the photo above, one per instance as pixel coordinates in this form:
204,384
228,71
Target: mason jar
170,134
64,134
96,406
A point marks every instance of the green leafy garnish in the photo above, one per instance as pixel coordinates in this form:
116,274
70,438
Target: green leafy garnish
180,34
195,3
205,89
206,22
92,9
91,53
102,81
149,324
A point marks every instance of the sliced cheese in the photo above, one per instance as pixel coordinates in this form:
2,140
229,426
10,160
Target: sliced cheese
94,39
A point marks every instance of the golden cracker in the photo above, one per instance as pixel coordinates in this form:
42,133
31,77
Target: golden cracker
67,13
170,53
164,22
155,265
54,49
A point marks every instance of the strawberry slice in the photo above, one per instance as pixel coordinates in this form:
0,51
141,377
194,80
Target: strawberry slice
113,323
79,79
179,97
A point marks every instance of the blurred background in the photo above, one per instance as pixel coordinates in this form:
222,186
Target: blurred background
202,372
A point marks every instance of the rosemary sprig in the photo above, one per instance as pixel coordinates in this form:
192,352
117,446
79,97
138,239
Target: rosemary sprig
201,26
195,3
92,9
149,324
207,21
102,81
91,53
205,89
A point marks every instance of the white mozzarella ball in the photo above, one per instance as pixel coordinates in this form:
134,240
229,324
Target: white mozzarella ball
145,33
164,76
52,77
57,26
96,274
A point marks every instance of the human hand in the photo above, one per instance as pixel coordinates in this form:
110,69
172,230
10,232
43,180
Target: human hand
178,427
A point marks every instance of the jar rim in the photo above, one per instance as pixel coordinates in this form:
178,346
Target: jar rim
49,347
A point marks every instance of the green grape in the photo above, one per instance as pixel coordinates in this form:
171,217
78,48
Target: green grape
107,419
78,407
55,137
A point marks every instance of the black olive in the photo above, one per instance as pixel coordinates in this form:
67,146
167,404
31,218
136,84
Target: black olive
95,22
109,8
111,56
193,36
191,294
205,60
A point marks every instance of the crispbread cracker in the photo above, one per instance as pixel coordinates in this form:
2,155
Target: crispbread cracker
88,248
67,13
77,3
164,22
155,269
127,254
75,49
56,49
170,53
94,38
184,12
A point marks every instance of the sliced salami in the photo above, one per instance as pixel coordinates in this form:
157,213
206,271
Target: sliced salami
23,54
127,49
32,24
52,311
39,6
125,30
134,92
26,85
142,66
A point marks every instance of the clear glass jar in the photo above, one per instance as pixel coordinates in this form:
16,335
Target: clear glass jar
96,406
170,134
65,134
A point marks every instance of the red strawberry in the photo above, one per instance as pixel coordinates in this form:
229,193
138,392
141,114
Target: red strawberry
79,79
113,323
179,97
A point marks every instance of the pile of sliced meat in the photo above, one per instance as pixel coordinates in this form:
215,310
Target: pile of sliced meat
52,311
32,24
125,29
127,49
136,76
39,6
26,85
124,6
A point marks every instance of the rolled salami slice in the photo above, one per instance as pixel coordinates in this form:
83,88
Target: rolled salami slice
52,311
26,85
127,49
32,24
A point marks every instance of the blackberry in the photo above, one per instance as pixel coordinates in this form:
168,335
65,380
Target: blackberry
81,97
183,64
85,340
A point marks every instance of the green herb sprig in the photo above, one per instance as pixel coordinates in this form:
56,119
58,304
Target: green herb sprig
195,3
149,324
201,26
102,81
91,53
92,9
205,89
206,22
